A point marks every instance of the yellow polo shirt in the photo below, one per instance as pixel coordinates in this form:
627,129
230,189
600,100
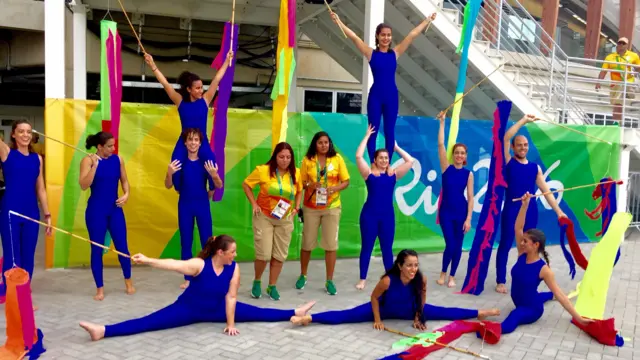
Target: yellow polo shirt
336,172
628,57
270,187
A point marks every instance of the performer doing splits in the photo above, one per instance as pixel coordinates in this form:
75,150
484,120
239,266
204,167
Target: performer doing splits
527,274
211,297
522,176
192,105
383,96
377,218
102,171
401,293
454,213
22,169
190,181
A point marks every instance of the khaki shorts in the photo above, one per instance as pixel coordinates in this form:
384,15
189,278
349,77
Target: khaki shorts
271,237
615,93
329,220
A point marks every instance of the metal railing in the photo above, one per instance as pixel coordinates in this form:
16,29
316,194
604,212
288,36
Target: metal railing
633,198
609,100
529,53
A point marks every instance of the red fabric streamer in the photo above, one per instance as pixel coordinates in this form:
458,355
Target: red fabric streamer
573,243
602,330
603,206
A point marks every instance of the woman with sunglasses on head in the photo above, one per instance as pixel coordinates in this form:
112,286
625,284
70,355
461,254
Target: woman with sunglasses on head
324,175
377,218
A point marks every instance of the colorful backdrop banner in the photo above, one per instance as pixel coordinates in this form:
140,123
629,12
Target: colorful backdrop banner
148,135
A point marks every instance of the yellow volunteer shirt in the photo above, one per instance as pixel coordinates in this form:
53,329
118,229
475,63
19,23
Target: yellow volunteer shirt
629,57
336,173
269,194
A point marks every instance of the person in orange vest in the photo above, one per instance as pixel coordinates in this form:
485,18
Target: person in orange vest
622,55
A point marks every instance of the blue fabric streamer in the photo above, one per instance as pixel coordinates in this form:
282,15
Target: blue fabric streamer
567,254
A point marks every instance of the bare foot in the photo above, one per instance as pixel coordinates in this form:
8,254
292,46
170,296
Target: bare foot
95,331
184,285
452,282
441,280
35,308
301,320
361,284
501,289
130,290
99,295
483,314
304,309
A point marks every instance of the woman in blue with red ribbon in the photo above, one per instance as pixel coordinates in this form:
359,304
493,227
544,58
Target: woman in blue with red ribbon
383,95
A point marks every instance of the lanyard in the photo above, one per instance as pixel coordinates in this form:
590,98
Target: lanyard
280,184
318,171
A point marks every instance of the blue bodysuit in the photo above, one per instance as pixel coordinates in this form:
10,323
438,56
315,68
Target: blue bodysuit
193,204
103,214
202,301
525,279
377,219
453,213
383,100
398,302
194,115
520,179
19,236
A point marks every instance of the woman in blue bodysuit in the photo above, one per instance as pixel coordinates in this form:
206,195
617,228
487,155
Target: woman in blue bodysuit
383,95
190,181
401,293
24,187
377,218
102,172
193,105
455,211
527,274
211,297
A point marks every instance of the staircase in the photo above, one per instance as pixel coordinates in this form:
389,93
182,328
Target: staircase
427,73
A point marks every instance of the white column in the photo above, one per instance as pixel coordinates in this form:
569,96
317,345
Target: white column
373,15
80,52
54,43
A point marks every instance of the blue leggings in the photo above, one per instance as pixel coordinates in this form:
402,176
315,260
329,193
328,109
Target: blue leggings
204,153
453,238
188,211
98,222
373,225
507,234
382,103
522,315
182,313
24,236
364,313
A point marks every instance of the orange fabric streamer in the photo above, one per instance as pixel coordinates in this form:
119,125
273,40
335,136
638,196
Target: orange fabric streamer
17,323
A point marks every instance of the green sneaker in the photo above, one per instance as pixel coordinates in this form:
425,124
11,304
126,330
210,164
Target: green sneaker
302,281
273,292
330,287
256,290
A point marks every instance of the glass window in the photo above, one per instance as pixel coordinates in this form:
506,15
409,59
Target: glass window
349,103
318,101
521,28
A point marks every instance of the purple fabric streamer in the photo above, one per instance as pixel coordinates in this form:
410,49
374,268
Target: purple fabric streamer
221,104
114,62
23,292
292,23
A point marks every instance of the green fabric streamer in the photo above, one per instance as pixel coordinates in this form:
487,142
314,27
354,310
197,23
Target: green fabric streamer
105,97
278,85
409,342
465,23
292,70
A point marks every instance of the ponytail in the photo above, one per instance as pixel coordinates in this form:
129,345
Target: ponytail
215,243
100,138
545,255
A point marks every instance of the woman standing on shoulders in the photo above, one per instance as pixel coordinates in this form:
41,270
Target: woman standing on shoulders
274,210
324,174
383,96
24,187
377,218
190,181
102,172
193,104
455,211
